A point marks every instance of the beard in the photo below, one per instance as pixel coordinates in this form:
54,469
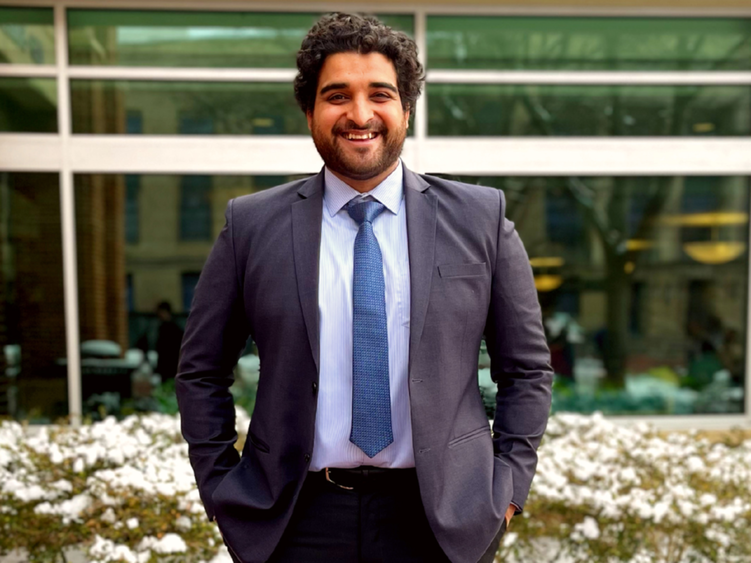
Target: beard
361,163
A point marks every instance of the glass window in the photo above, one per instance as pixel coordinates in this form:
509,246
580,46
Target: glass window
561,110
33,356
132,208
644,295
185,108
195,208
135,292
28,105
193,39
27,36
576,43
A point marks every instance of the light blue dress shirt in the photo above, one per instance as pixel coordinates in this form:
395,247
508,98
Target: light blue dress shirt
332,447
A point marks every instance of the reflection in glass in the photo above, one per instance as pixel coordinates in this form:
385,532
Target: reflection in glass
27,36
636,324
142,241
28,105
33,374
588,43
561,110
185,108
193,39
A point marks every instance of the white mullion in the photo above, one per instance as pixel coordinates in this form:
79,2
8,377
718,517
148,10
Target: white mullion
30,152
28,71
183,74
249,154
455,9
68,219
227,6
617,156
549,10
421,109
626,78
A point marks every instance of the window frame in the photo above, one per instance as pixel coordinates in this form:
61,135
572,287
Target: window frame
69,154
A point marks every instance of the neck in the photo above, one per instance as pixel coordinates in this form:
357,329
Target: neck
364,186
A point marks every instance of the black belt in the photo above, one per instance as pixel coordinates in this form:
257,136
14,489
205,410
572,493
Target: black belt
364,476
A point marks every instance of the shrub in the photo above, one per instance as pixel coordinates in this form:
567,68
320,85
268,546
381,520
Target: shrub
607,493
122,491
604,493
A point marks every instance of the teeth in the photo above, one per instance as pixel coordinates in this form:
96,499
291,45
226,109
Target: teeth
353,137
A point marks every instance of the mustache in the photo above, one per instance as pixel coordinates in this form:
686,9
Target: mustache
377,127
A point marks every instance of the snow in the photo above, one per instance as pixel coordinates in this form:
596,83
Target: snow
595,482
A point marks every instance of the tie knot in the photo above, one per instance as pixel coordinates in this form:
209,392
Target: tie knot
364,211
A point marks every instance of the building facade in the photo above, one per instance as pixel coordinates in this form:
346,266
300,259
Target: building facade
620,134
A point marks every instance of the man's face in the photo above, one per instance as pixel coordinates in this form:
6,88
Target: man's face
358,124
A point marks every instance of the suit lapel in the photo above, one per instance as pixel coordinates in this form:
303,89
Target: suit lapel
421,228
306,239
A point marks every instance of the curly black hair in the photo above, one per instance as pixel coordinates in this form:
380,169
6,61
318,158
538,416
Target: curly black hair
347,33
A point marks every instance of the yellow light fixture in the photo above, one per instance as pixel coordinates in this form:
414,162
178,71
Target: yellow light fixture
714,251
544,281
711,219
703,127
548,282
636,245
547,262
629,267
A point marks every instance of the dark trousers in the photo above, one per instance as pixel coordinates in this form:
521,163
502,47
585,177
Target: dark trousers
380,520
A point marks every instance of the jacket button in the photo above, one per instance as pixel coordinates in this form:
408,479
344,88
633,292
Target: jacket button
307,458
315,388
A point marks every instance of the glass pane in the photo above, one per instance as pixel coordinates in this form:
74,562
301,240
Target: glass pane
28,105
185,108
33,363
560,110
27,36
138,265
643,284
192,39
567,43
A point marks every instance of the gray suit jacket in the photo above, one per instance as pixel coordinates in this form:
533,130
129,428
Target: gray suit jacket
470,276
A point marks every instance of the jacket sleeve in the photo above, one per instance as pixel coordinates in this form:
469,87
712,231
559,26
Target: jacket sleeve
215,335
519,360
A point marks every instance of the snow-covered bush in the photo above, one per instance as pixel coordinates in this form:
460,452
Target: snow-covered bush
604,493
122,491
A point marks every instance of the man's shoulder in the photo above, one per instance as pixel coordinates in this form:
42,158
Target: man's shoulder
278,195
462,192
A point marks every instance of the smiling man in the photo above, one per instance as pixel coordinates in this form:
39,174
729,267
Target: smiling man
367,289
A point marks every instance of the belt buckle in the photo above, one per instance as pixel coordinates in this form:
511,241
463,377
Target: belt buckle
330,480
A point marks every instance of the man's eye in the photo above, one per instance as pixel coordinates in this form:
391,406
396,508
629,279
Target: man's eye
336,97
382,95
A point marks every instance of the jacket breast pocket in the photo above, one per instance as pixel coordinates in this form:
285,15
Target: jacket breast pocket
462,270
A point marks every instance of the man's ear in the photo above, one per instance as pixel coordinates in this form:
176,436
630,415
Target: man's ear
309,117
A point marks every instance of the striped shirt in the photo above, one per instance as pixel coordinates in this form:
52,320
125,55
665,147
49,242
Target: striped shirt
332,447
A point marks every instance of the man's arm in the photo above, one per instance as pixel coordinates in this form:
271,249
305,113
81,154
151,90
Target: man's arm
519,360
215,335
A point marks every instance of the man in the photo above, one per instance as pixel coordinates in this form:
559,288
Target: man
168,342
367,289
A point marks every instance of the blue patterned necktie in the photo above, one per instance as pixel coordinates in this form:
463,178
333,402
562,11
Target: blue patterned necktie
371,401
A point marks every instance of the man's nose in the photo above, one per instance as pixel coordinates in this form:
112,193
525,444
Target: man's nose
360,112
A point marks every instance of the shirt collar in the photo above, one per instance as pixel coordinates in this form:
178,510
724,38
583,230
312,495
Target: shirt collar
337,194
